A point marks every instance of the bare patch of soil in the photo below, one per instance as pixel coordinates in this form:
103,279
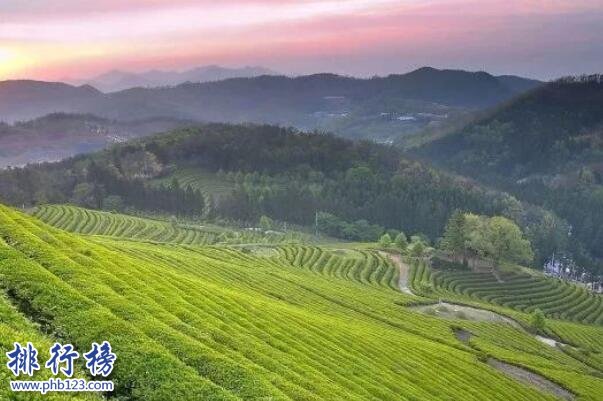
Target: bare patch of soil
548,341
462,335
404,271
453,311
531,378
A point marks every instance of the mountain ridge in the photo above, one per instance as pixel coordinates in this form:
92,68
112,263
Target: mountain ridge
117,80
378,108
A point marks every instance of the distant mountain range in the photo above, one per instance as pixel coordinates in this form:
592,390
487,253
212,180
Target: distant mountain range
377,108
24,100
58,136
117,80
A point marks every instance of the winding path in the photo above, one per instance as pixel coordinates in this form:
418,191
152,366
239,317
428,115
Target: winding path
516,372
404,271
531,378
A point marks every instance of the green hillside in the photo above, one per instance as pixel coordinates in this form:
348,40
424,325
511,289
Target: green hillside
518,290
15,327
191,323
363,266
94,222
556,128
544,147
258,170
209,183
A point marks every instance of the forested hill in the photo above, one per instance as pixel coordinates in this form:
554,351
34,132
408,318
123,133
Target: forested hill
359,188
379,108
545,147
552,129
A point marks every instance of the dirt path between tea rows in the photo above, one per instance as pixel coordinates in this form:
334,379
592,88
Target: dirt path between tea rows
530,378
404,271
479,314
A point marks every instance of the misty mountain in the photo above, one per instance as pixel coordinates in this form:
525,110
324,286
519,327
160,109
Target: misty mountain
25,99
116,80
379,108
58,136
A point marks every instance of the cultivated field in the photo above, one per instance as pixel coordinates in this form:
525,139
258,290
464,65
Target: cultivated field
362,266
518,290
193,322
94,222
212,187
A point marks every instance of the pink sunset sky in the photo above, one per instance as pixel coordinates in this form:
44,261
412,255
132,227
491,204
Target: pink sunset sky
58,39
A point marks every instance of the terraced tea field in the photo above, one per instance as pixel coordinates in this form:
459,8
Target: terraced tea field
15,327
362,266
520,291
193,322
212,187
93,222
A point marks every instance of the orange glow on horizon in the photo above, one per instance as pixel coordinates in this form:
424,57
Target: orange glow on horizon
74,39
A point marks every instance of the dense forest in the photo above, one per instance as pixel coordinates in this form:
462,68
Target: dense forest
284,174
545,147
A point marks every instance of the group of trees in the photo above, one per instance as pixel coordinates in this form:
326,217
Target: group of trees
362,189
417,246
544,148
496,238
411,198
133,191
359,230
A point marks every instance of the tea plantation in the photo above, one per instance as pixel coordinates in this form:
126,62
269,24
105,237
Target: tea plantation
205,322
367,267
518,290
94,222
211,186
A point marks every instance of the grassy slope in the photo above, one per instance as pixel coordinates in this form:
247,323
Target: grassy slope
363,266
585,341
206,181
14,327
192,323
94,222
520,291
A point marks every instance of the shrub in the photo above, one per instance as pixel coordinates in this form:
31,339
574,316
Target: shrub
537,319
425,287
401,242
266,223
385,241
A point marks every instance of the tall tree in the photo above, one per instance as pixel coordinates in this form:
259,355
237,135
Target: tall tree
401,242
455,236
507,241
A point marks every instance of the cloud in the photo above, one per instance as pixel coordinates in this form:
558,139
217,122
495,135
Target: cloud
52,38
